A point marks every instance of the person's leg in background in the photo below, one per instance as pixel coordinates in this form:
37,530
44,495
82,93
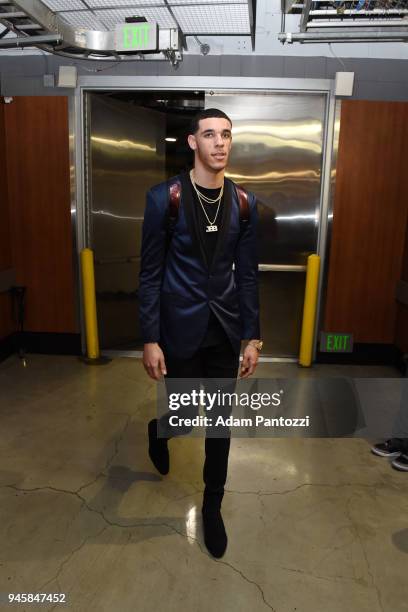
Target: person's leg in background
401,461
396,448
390,448
400,429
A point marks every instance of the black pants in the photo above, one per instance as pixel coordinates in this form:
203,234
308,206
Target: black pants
217,361
402,443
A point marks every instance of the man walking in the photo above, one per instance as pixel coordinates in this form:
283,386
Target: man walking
198,291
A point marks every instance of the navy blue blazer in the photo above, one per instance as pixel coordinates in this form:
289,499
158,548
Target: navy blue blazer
177,289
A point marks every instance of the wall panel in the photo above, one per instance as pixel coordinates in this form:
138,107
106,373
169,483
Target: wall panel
370,217
6,323
401,327
39,198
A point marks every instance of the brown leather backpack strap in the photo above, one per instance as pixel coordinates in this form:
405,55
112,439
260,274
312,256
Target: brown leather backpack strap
243,204
174,200
172,210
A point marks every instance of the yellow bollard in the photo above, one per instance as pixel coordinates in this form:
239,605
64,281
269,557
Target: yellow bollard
309,310
88,286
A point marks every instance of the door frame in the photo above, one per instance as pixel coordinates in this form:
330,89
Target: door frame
234,85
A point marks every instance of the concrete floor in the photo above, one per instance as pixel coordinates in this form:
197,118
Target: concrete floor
313,525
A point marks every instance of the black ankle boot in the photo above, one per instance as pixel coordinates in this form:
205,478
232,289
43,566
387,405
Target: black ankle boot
158,451
215,537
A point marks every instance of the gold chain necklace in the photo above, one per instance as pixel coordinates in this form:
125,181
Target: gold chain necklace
211,227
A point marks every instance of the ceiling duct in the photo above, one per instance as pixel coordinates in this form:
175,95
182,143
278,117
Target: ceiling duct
346,20
119,29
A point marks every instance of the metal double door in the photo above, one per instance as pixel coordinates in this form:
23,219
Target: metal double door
277,153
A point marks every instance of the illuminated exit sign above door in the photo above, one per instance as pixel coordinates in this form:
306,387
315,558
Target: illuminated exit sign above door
331,342
136,36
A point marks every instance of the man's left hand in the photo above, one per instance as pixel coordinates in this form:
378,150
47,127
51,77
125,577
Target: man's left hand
249,361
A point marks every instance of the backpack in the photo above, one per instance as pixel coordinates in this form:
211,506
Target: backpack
174,203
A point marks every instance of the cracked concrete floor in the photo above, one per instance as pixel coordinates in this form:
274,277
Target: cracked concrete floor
313,525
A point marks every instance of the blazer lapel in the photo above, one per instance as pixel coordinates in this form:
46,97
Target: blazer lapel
188,201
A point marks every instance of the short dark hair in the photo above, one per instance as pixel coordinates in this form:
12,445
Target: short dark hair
206,114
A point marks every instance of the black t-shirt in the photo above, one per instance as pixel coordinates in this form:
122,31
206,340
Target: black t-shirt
209,239
215,332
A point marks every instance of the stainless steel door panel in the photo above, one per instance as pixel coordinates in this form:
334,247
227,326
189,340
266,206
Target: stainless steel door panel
126,157
277,150
277,154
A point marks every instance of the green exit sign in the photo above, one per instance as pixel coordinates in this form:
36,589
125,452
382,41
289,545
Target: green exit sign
331,342
136,36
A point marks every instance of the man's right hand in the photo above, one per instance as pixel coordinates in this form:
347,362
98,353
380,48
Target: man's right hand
153,360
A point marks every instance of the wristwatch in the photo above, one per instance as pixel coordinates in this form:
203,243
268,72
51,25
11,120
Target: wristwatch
258,344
